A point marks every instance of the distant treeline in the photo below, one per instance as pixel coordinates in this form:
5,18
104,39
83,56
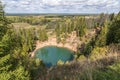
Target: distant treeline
50,14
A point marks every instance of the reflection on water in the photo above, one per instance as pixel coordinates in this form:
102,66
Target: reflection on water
50,55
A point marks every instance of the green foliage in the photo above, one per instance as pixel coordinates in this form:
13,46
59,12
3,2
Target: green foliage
114,31
111,73
8,43
98,52
5,76
89,47
20,74
111,16
100,40
3,22
82,57
77,24
16,44
32,20
60,62
5,63
38,62
37,68
42,35
58,32
5,56
102,37
80,26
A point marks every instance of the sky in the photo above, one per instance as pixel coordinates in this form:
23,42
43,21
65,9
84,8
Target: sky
61,6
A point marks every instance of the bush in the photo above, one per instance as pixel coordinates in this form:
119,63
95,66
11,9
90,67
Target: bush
82,57
60,62
113,35
98,52
110,73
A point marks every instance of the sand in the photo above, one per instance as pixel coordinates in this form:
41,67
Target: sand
70,43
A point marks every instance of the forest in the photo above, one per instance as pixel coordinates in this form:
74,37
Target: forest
96,42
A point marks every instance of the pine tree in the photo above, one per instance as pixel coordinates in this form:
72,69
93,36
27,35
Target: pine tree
9,70
111,17
114,31
42,34
80,25
3,22
102,37
4,55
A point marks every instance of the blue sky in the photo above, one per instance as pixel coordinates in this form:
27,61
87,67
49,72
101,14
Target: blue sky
61,6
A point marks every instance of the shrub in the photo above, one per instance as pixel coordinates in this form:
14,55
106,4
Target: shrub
98,52
60,62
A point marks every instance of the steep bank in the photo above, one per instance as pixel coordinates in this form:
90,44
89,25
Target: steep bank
71,42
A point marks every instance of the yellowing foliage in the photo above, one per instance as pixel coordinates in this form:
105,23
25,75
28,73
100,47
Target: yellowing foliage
98,52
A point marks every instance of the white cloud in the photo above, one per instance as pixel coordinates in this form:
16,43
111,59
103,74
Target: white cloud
51,2
79,6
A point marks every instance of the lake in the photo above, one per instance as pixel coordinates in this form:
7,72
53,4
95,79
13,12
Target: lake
50,55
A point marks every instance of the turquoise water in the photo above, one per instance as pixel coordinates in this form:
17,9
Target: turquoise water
50,55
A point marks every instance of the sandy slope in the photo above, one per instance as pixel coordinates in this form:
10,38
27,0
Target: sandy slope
71,42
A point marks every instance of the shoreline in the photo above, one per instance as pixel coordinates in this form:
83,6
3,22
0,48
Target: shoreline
71,43
40,44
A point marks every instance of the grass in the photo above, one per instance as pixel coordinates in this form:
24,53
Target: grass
105,68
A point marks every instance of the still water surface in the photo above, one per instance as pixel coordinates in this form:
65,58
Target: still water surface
50,55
